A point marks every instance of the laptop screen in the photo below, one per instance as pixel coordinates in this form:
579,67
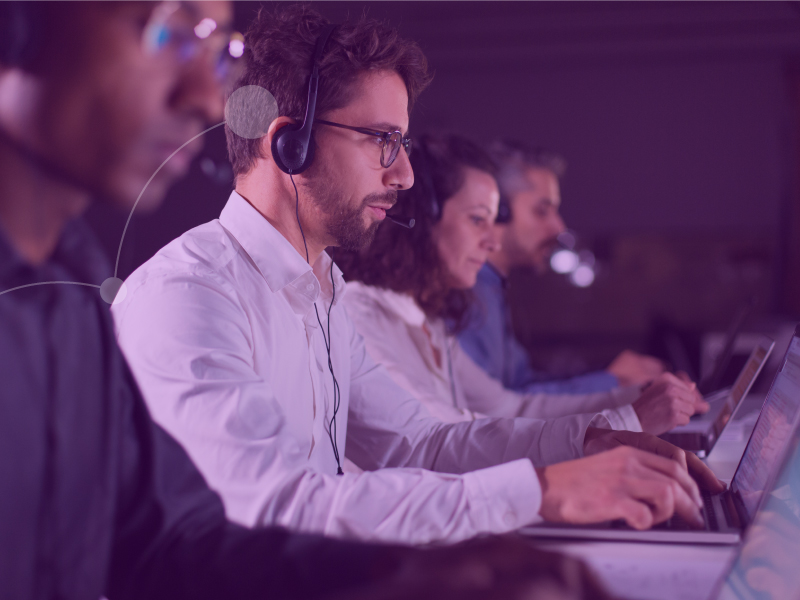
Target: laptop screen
771,432
743,383
748,374
766,566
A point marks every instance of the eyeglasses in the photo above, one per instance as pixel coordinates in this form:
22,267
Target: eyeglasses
392,140
176,30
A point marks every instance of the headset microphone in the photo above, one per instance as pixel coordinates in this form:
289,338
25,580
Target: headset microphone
407,223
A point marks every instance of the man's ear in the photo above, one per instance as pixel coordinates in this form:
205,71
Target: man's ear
266,141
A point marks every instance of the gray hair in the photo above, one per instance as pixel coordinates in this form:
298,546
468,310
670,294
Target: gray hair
513,158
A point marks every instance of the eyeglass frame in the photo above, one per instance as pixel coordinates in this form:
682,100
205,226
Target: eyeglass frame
405,141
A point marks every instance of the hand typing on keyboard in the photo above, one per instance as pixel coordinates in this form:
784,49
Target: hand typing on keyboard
668,401
632,476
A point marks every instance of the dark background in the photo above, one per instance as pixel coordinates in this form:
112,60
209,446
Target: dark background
679,124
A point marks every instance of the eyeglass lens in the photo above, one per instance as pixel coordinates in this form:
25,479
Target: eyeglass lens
391,148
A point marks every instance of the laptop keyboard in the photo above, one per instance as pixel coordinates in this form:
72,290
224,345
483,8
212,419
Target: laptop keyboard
677,523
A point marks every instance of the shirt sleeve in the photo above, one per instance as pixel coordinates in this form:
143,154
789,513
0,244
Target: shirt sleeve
188,347
489,341
389,427
488,396
482,337
597,381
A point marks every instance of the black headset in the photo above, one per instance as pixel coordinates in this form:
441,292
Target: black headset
433,205
424,171
292,145
503,210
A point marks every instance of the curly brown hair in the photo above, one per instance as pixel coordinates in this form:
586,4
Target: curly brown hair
278,50
408,261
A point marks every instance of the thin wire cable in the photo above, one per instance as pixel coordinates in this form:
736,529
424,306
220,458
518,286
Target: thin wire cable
337,395
19,287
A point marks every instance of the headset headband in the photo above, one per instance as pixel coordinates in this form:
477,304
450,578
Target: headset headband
313,81
292,147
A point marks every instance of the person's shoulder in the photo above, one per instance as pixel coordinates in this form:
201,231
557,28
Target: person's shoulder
373,305
360,299
207,245
204,251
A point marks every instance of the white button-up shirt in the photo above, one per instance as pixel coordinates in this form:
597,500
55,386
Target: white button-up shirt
430,364
220,330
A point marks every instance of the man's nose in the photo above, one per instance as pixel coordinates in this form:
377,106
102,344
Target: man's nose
399,175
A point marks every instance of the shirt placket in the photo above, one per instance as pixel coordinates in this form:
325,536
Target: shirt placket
322,385
314,372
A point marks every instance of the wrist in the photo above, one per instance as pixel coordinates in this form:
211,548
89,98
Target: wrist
592,433
542,474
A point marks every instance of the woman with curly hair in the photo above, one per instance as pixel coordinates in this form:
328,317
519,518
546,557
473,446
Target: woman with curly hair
409,293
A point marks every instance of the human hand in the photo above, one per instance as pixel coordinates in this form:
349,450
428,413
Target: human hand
667,402
602,440
700,405
482,568
632,368
626,483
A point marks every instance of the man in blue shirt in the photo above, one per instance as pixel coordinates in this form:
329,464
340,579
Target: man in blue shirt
530,199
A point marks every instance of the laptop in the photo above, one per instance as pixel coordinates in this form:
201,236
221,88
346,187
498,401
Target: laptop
728,514
703,431
768,557
766,565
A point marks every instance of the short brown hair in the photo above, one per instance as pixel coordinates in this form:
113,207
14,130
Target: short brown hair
279,48
408,261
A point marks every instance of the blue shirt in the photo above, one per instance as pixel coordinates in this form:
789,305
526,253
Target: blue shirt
489,340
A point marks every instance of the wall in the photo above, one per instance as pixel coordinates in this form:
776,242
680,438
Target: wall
677,120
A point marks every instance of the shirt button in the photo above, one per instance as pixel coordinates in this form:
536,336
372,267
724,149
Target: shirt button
310,287
510,519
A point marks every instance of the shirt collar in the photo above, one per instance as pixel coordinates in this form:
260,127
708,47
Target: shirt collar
277,260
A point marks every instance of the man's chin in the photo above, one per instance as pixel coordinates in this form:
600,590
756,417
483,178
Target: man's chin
356,242
540,265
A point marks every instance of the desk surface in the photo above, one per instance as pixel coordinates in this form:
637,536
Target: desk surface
649,571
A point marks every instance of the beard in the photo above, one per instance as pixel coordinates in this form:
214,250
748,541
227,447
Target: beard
345,223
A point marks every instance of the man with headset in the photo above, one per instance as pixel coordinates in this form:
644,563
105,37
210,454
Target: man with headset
95,499
528,226
236,334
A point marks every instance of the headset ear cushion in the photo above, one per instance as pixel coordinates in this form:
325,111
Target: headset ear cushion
503,211
289,149
278,148
310,151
